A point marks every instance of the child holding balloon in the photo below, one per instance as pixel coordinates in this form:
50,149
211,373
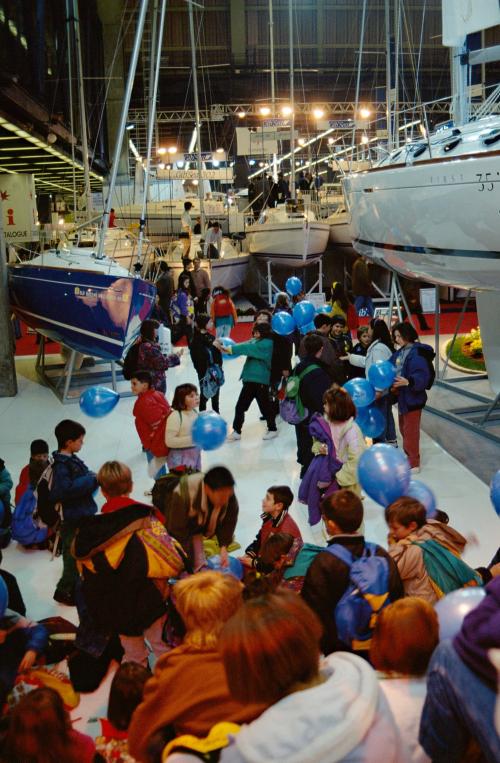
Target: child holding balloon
178,432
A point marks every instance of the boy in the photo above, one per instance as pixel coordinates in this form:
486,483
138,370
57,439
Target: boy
427,552
340,337
151,411
361,348
6,485
31,473
73,486
327,578
275,505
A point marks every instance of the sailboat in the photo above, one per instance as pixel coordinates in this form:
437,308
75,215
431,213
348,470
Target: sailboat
289,234
76,295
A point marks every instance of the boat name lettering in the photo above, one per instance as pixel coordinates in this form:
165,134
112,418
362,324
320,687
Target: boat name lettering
485,182
16,234
106,295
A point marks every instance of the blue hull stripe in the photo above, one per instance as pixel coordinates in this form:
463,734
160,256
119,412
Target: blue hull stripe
430,250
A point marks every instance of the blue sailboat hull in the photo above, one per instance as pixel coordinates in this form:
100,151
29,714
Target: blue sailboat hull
91,312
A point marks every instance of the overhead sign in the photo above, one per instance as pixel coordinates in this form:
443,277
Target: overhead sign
220,174
206,156
17,193
340,124
276,123
256,143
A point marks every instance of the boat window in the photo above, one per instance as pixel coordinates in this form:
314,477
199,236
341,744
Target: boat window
452,144
492,137
396,155
420,150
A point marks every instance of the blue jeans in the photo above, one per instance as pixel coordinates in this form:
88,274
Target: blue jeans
385,408
458,707
364,307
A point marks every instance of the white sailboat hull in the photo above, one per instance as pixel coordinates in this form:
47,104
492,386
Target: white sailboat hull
290,243
228,271
341,232
437,220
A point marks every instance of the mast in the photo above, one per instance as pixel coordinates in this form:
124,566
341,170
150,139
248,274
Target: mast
153,93
196,111
83,110
388,74
70,92
123,121
273,74
292,102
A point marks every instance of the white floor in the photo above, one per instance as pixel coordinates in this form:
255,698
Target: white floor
256,465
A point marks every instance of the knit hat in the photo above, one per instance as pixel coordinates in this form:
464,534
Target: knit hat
39,448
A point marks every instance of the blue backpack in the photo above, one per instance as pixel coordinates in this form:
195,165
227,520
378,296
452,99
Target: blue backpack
25,527
366,595
213,379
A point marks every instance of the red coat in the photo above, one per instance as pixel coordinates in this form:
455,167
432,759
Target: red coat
282,524
24,483
151,411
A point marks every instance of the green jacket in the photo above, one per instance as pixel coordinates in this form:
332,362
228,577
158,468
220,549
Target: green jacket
257,366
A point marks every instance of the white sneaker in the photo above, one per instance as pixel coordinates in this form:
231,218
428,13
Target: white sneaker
415,470
270,434
233,437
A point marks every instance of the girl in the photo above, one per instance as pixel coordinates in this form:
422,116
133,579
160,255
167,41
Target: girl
323,712
182,451
39,731
380,348
150,358
223,312
341,305
346,435
183,311
415,374
125,695
204,354
256,377
405,636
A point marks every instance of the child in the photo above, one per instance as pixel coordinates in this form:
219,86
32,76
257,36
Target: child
73,486
14,595
340,336
31,473
125,695
426,552
182,308
6,485
39,729
116,484
360,349
182,451
203,355
275,505
223,312
151,411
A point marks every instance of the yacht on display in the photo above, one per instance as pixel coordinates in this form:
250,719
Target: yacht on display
228,270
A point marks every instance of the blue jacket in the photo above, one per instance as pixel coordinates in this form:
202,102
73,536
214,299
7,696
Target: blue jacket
73,485
319,479
415,368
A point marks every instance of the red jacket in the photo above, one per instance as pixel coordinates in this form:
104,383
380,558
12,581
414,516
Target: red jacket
24,483
280,524
151,411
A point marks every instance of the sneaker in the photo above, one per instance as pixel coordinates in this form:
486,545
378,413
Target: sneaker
233,437
63,597
415,470
270,434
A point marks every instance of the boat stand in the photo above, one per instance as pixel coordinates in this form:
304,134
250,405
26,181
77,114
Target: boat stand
272,289
68,383
474,417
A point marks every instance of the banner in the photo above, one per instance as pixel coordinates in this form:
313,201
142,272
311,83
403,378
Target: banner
258,143
19,208
462,17
220,174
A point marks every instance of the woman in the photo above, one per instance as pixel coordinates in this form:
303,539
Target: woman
150,358
413,361
189,693
39,731
183,311
178,436
322,712
347,439
405,636
256,376
203,355
380,348
341,305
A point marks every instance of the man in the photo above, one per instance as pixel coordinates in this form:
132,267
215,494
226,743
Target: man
283,189
327,578
165,287
213,242
362,288
187,227
329,357
200,278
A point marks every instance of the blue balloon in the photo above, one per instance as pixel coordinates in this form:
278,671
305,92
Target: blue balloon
371,421
307,328
293,286
304,312
384,473
283,323
453,608
361,392
495,492
209,431
424,494
4,597
381,374
235,567
226,341
323,309
98,401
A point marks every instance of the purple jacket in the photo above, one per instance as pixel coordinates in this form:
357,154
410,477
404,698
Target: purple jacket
481,632
321,470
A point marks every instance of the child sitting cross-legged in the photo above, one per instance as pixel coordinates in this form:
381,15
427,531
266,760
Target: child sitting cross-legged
276,519
427,552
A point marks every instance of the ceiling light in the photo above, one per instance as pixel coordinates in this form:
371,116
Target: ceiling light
162,151
264,111
364,112
242,114
172,150
318,113
287,111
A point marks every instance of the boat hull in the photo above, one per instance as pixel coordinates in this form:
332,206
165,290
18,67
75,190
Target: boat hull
90,312
437,220
288,244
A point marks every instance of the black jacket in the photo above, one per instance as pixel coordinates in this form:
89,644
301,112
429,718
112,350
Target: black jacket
199,348
282,356
314,384
326,582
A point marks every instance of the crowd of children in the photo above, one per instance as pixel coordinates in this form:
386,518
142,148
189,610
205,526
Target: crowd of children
286,651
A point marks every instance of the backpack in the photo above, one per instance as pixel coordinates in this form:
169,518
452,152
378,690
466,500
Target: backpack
213,378
366,595
292,409
26,529
131,361
446,571
166,484
427,353
47,509
222,306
